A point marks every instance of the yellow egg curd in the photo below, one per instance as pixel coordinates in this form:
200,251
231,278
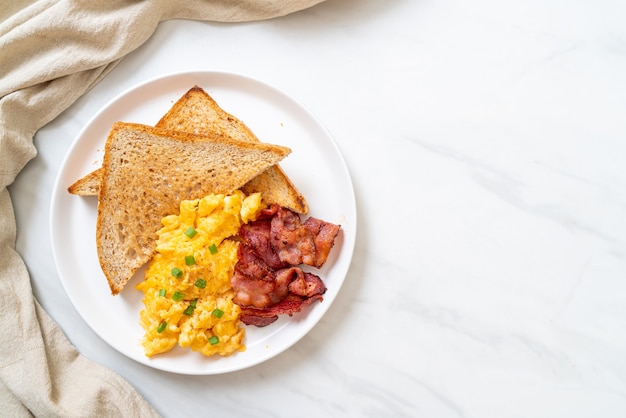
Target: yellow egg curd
188,298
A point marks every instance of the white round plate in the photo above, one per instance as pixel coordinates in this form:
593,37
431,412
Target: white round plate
315,166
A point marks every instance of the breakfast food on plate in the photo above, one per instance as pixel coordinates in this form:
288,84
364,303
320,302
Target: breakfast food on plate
148,171
188,299
268,280
203,202
197,112
224,261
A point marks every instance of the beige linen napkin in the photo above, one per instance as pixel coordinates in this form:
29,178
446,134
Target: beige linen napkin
51,52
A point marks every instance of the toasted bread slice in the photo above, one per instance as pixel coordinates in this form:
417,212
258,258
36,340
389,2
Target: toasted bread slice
87,185
148,171
197,112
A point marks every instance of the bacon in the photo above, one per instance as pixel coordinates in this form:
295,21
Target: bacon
255,283
291,305
256,320
324,234
307,285
297,243
268,212
293,243
257,236
267,280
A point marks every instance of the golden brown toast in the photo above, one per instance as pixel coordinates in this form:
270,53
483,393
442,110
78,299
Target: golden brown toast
197,112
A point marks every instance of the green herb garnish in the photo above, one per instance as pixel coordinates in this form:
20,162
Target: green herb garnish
191,307
162,327
191,232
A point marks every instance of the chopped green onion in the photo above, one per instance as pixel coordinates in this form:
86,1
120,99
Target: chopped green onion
190,260
162,327
218,313
214,340
176,272
213,249
191,232
191,307
201,283
162,292
177,296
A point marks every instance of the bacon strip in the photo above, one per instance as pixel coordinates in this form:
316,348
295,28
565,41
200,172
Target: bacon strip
255,283
257,236
268,280
297,243
292,304
324,234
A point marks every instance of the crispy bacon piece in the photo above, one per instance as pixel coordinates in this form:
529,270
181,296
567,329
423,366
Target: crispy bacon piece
297,243
257,236
256,320
293,243
255,283
306,284
268,280
290,305
324,234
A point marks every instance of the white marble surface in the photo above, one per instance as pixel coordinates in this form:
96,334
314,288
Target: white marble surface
486,141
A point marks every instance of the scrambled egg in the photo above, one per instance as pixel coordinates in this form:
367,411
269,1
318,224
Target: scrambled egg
187,291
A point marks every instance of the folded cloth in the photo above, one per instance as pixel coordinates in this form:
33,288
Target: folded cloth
52,52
